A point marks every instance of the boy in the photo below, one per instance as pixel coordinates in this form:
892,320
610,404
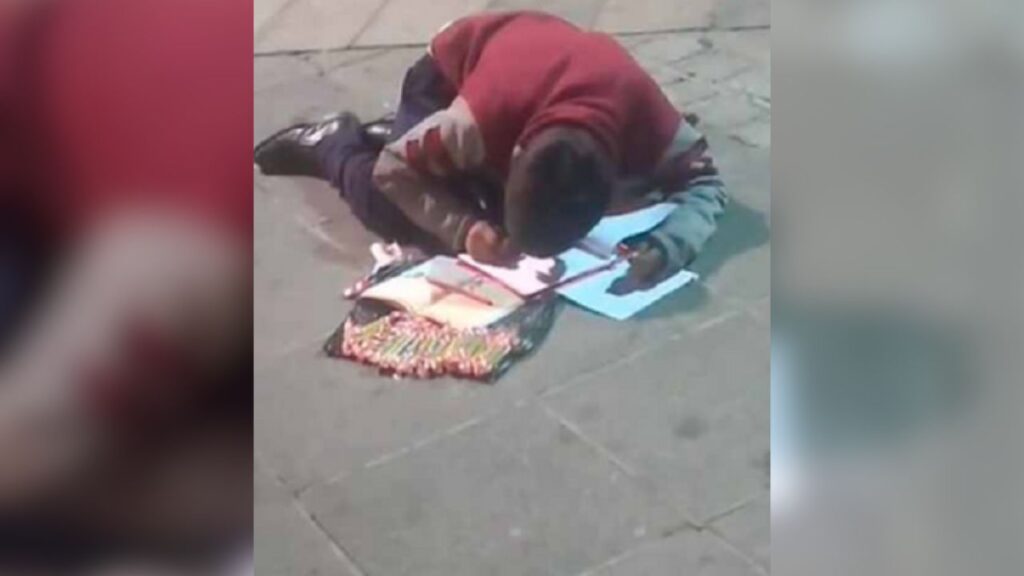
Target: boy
515,134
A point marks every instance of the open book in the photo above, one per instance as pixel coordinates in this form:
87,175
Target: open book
446,291
532,275
467,294
586,272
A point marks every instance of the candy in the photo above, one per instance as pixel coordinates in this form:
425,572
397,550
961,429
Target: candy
404,345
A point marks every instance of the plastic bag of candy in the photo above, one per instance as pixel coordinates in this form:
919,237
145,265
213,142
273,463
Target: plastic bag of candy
403,345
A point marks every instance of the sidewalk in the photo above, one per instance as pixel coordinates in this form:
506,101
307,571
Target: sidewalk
630,449
294,25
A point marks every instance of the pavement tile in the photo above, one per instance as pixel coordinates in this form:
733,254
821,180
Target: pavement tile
692,416
273,71
667,48
303,100
742,13
753,45
299,271
687,309
651,15
582,13
762,310
757,133
749,530
370,86
581,342
286,540
688,552
264,12
685,92
728,110
315,25
757,82
318,418
714,65
519,494
408,22
746,170
745,277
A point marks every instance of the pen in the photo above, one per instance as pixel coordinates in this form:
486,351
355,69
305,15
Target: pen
460,291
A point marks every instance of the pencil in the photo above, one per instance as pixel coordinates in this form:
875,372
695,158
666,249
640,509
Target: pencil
460,291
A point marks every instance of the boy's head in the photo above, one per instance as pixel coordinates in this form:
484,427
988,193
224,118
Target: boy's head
558,188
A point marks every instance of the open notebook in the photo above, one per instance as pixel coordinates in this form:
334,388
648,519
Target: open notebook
446,291
465,293
586,273
533,275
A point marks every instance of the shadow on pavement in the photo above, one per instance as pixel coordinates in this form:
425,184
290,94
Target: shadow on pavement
740,229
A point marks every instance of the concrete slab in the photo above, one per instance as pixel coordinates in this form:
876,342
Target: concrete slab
516,495
747,172
370,85
757,134
754,45
286,539
687,552
318,418
749,530
582,13
666,48
264,12
742,13
299,272
273,71
654,15
315,25
729,110
306,99
691,416
411,22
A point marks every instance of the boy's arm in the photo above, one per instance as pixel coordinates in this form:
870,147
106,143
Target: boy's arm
411,173
688,176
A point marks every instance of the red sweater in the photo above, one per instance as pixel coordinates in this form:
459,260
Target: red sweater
522,72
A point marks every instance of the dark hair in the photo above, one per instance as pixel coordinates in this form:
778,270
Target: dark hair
556,193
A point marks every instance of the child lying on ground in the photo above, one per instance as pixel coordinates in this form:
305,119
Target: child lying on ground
515,134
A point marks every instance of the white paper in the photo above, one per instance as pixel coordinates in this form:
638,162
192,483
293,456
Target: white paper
414,291
612,230
592,293
526,278
531,275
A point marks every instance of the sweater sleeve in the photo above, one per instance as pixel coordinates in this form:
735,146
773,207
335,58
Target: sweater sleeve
687,176
413,170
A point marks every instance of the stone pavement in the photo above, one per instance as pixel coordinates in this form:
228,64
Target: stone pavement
632,449
296,25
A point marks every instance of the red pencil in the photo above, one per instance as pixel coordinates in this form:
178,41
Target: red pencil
468,266
624,253
460,291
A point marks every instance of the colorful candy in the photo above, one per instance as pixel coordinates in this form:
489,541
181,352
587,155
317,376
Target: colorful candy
411,346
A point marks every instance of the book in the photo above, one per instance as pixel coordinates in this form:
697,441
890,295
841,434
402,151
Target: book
533,275
442,290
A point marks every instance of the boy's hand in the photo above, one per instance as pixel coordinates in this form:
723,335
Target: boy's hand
647,267
487,244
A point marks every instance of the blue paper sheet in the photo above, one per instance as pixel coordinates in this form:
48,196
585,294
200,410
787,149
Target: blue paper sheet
592,293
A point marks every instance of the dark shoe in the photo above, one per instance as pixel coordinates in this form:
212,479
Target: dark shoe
293,151
378,132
